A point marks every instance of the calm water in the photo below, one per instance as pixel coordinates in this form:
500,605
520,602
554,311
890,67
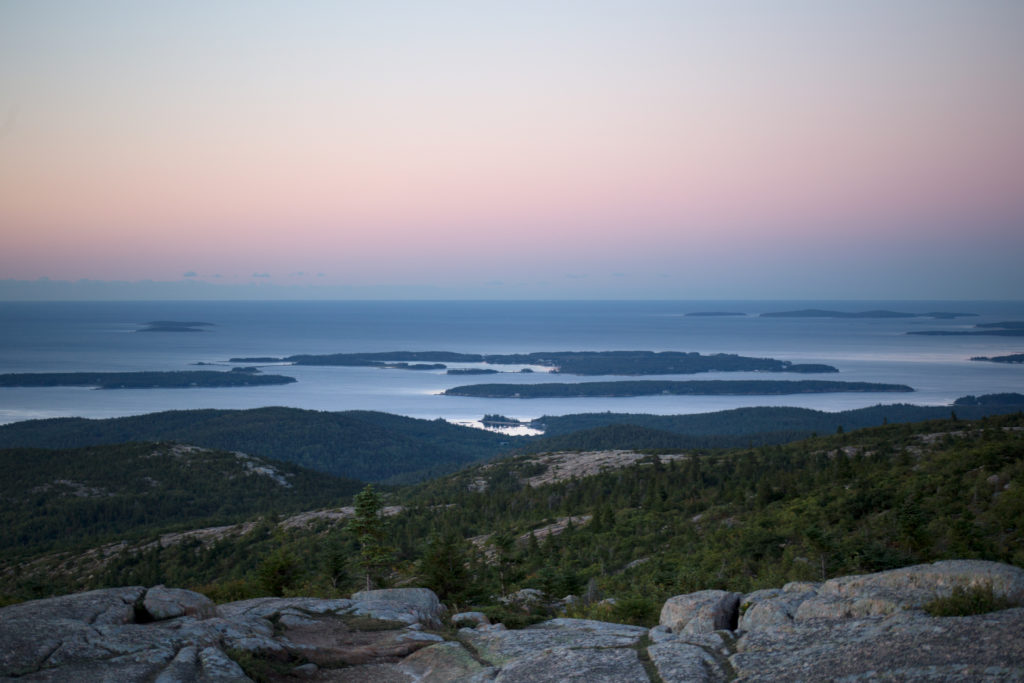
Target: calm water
58,336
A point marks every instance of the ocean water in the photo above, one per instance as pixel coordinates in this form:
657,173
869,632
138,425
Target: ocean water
102,336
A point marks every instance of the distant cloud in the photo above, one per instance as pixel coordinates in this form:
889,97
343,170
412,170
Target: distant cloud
320,275
217,275
191,273
261,274
576,276
618,275
298,273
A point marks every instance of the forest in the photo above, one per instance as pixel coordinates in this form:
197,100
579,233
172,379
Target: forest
670,523
669,387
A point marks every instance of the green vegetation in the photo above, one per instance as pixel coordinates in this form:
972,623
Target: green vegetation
567,362
63,499
654,387
370,529
363,445
742,519
1006,400
187,379
964,602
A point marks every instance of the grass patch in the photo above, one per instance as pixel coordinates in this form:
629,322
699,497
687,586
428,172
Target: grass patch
967,601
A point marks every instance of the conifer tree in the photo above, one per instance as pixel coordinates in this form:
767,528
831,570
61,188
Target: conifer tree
370,529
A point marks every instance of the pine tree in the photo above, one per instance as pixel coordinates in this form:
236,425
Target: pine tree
370,529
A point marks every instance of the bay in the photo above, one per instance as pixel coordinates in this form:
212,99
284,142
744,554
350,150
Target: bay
103,336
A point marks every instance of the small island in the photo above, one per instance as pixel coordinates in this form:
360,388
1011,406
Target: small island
174,326
671,388
821,313
186,379
473,371
1007,328
1012,358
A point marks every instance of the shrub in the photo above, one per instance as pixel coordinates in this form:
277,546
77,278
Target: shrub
966,601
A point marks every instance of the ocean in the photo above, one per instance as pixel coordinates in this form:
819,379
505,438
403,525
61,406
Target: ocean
103,336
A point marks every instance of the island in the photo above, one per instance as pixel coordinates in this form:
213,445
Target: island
473,371
1007,328
186,379
672,388
1008,399
174,326
1011,358
564,362
821,313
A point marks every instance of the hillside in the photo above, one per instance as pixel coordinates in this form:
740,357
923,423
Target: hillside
363,445
56,499
635,526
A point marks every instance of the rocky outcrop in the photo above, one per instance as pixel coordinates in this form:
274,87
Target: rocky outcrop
851,628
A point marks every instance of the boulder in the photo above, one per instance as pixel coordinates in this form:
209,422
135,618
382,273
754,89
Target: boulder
701,612
469,618
407,605
166,603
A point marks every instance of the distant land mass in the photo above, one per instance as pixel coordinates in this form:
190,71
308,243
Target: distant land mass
1011,358
709,314
186,379
364,445
1007,328
821,313
473,371
1008,399
174,326
566,362
654,388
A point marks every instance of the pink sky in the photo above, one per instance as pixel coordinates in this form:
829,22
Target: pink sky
454,143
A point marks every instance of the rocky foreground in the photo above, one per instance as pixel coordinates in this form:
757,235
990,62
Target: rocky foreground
866,627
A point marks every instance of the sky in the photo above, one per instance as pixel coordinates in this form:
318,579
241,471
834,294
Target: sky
485,149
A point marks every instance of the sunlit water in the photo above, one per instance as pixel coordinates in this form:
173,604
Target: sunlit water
66,337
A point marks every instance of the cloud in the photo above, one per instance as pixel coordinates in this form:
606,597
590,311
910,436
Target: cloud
261,274
191,273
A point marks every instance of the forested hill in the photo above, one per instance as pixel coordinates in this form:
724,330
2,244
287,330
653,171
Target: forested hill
736,428
364,445
55,499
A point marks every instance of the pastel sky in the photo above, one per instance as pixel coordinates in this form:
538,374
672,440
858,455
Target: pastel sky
520,149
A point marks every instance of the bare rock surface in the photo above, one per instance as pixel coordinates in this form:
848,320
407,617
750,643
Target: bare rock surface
868,627
700,612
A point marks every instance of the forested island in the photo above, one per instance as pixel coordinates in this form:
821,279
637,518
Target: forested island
174,326
1007,328
822,313
186,379
1011,358
565,362
655,387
